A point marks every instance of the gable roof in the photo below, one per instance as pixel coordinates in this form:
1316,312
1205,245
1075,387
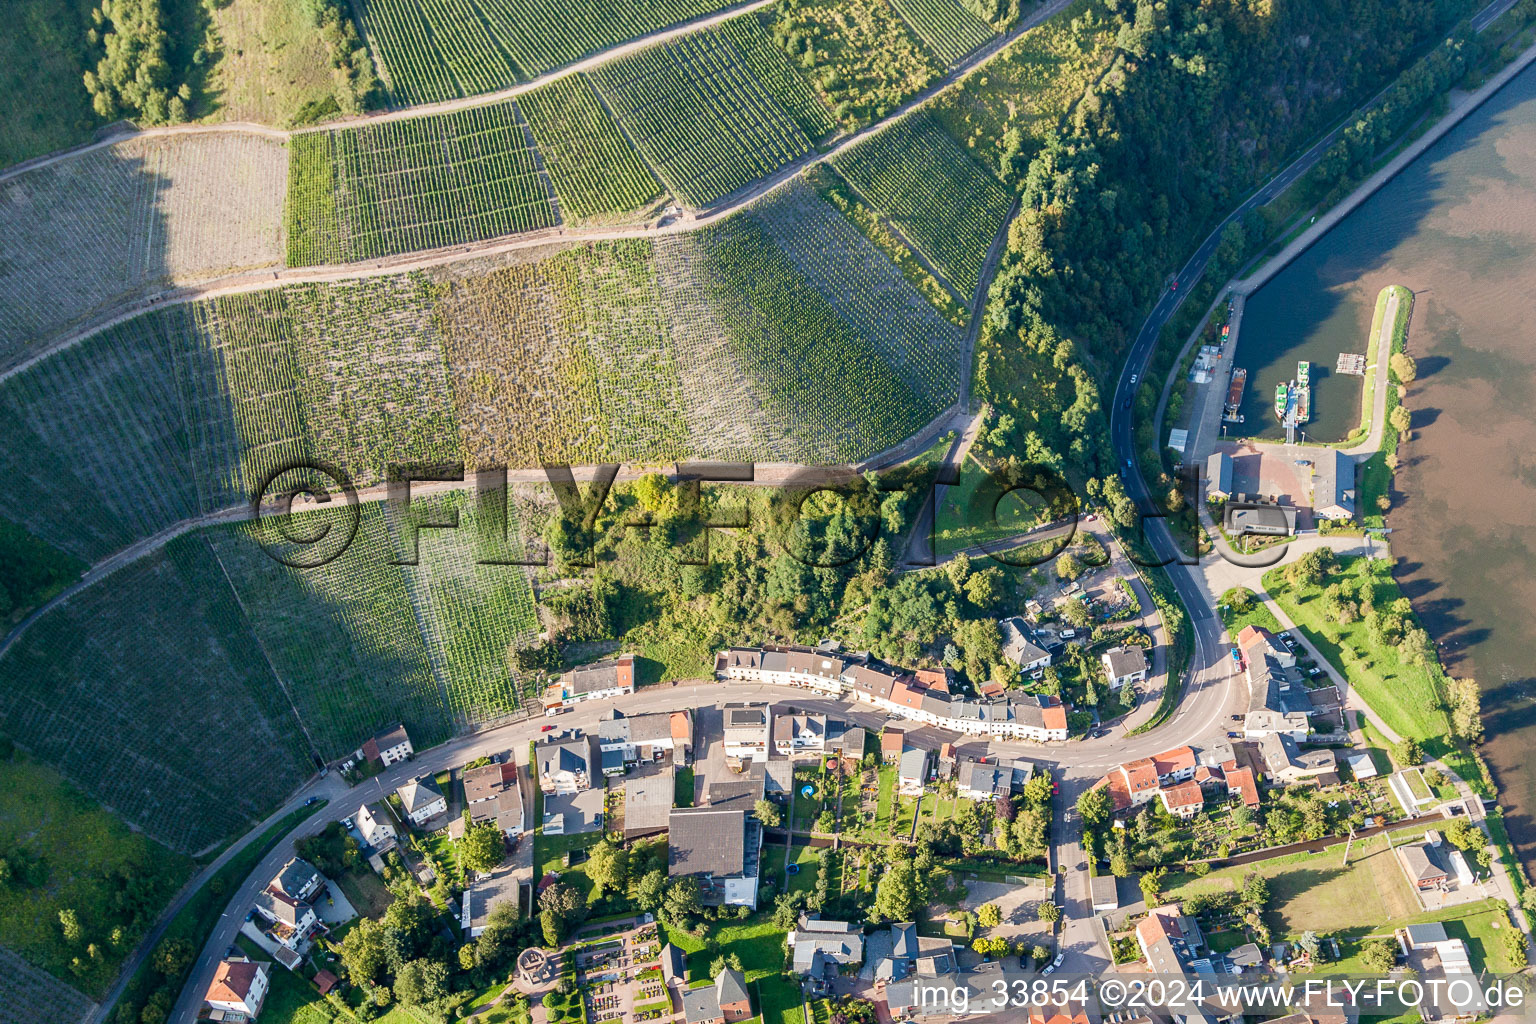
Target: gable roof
296,874
1125,661
419,793
701,1004
281,907
1184,794
1420,860
1054,717
914,763
232,981
601,675
566,754
731,987
674,967
1178,759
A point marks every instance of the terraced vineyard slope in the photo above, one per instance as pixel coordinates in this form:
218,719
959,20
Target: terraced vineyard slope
593,167
102,227
940,199
433,50
389,187
700,116
946,27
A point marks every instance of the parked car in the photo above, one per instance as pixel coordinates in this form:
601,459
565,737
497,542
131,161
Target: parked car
546,728
1048,969
1059,958
311,801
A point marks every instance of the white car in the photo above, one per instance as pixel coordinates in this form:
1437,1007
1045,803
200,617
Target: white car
1135,377
1059,958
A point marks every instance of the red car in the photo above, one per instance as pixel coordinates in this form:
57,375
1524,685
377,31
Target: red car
546,728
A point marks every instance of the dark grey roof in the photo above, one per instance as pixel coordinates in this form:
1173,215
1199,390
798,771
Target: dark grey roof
281,908
706,840
701,1004
1125,661
418,793
904,940
674,966
296,874
1333,480
914,763
731,987
568,754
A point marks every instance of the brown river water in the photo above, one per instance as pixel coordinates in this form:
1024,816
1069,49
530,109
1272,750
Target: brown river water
1459,228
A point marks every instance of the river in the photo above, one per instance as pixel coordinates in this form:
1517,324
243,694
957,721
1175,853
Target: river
1458,227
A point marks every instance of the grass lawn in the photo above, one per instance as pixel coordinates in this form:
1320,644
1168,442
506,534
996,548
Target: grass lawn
549,855
806,808
682,788
365,891
271,64
759,944
906,812
1317,892
886,798
1379,747
79,852
1407,698
967,518
290,998
803,854
1256,615
780,1002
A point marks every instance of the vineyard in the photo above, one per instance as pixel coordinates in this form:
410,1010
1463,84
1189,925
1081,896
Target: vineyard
341,638
945,204
866,289
700,116
593,167
773,69
422,183
949,30
436,50
95,229
148,692
27,993
474,616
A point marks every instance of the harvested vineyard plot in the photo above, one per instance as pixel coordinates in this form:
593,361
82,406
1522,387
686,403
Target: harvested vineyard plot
422,183
868,291
103,227
949,30
154,673
474,616
700,116
868,62
27,993
826,388
1028,86
342,638
593,167
778,76
945,204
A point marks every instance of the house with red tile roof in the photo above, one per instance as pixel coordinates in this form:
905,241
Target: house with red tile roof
1240,782
1183,799
1175,765
239,987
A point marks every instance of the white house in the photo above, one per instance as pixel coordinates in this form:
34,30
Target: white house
746,732
390,745
1021,647
601,680
239,988
298,879
647,738
422,800
289,921
1124,665
376,828
799,733
565,762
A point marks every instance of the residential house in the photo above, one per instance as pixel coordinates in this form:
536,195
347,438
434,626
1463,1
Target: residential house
1168,939
1124,666
746,732
1286,762
565,762
647,738
1022,647
844,740
376,827
822,948
796,733
648,804
290,922
601,680
1183,799
390,745
422,800
892,743
718,846
1333,484
1362,766
724,1002
912,770
977,780
492,793
487,892
1241,783
298,880
239,988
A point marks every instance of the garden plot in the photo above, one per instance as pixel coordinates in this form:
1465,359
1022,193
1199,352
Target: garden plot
99,228
473,616
941,200
341,638
700,117
593,167
946,27
149,694
27,993
866,288
422,183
